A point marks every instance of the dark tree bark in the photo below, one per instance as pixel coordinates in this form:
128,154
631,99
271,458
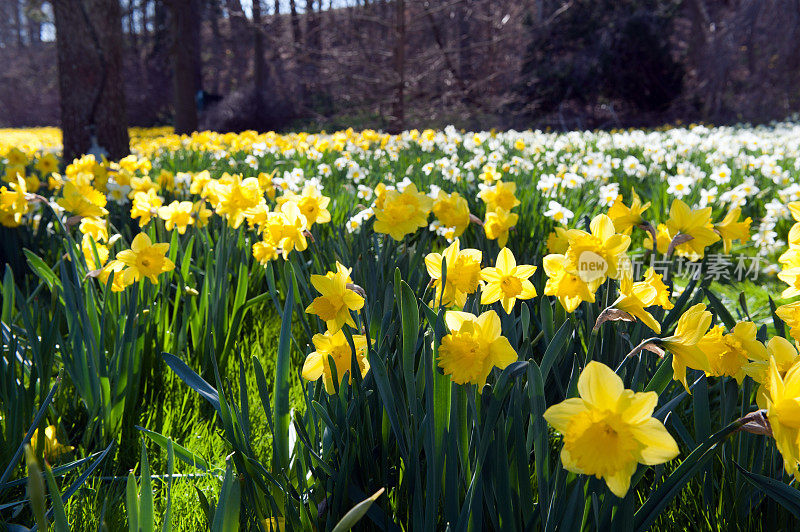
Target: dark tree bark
296,34
463,10
131,23
89,43
312,29
18,22
186,68
398,112
33,17
258,53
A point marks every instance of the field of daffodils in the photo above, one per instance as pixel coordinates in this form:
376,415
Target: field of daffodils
436,330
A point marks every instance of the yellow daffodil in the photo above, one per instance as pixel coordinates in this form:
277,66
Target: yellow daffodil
96,227
790,314
142,184
118,284
199,183
55,182
88,252
778,349
500,196
730,229
287,228
33,183
662,290
13,171
695,223
452,211
83,200
783,413
265,182
335,345
46,164
257,216
265,250
602,243
144,259
609,430
691,327
557,241
565,285
336,301
380,196
507,281
177,214
402,213
463,274
201,213
663,239
728,354
52,447
312,204
13,203
16,157
166,180
233,199
473,347
626,218
634,298
497,224
145,206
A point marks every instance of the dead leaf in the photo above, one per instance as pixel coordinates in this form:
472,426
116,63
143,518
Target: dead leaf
679,239
649,345
756,423
357,289
474,219
612,314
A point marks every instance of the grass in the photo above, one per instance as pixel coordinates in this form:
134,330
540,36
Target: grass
185,418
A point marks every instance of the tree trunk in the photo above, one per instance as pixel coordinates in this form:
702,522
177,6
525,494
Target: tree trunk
296,35
33,17
89,43
131,23
185,63
398,113
463,10
18,22
258,54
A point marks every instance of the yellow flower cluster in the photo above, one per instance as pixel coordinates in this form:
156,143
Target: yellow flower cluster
333,306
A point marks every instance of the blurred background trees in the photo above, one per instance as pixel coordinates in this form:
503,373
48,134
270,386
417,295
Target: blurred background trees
393,64
89,56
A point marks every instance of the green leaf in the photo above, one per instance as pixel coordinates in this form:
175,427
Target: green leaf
193,380
662,377
356,513
226,516
541,440
783,494
60,516
146,511
720,309
181,452
661,497
42,270
280,391
167,525
410,322
555,349
132,503
36,492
